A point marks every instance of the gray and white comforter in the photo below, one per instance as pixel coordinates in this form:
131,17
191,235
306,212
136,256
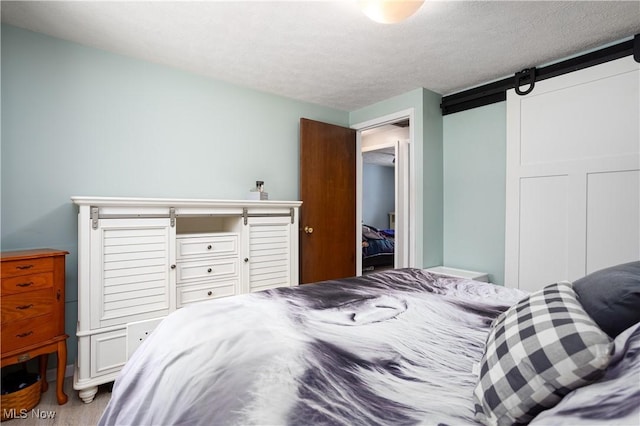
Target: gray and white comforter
392,348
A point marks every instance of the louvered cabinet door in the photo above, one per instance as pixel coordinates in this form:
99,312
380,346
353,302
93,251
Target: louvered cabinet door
130,272
269,248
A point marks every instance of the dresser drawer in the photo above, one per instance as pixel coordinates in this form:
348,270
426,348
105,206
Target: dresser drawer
204,291
26,283
27,305
208,245
26,267
207,269
18,334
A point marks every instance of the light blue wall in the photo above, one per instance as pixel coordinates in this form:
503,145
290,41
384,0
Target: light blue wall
378,195
427,150
433,189
80,121
474,190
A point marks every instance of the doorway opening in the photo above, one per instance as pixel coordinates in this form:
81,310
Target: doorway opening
384,193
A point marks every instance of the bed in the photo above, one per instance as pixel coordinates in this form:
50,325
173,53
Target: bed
378,248
398,347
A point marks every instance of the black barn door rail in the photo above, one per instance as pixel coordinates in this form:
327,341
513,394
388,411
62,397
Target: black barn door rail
524,80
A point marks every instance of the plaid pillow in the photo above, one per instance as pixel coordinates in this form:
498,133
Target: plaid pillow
538,351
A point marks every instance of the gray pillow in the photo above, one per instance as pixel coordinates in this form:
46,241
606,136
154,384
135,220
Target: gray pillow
611,297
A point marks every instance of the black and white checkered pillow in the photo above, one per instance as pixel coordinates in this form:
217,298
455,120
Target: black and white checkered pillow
538,351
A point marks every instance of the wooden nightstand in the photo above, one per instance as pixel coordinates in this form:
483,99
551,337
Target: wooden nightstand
32,304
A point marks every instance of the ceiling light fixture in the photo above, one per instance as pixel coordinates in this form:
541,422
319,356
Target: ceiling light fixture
389,11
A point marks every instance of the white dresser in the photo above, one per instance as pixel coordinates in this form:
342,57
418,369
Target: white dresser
140,259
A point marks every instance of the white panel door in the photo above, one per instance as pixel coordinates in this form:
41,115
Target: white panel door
544,230
613,228
573,180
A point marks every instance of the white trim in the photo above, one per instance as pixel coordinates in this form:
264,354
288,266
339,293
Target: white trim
358,202
378,146
409,234
386,119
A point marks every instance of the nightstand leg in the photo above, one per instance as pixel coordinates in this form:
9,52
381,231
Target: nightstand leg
62,365
43,360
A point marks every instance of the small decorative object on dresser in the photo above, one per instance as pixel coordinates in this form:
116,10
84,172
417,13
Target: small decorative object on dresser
32,303
258,193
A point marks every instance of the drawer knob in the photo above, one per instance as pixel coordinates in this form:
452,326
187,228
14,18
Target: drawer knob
28,333
23,307
24,284
209,247
209,270
209,293
173,266
246,259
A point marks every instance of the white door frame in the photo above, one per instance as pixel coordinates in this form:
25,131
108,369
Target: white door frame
405,193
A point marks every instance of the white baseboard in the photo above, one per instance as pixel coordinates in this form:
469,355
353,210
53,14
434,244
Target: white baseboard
52,373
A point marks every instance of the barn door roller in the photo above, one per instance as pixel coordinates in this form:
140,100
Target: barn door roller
523,77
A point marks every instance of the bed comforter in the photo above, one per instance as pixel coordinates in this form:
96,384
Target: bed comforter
396,347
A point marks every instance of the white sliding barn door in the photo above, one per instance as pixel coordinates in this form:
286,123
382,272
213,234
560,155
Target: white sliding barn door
573,175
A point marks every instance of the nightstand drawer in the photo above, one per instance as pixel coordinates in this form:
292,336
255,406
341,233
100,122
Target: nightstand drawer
208,245
23,284
28,305
18,334
203,291
207,269
26,267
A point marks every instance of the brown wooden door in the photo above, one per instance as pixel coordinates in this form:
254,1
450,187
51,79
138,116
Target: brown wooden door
328,194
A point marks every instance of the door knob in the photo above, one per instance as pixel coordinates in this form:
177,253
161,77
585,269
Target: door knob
308,230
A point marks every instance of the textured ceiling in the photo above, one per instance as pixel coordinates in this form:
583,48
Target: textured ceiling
328,52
